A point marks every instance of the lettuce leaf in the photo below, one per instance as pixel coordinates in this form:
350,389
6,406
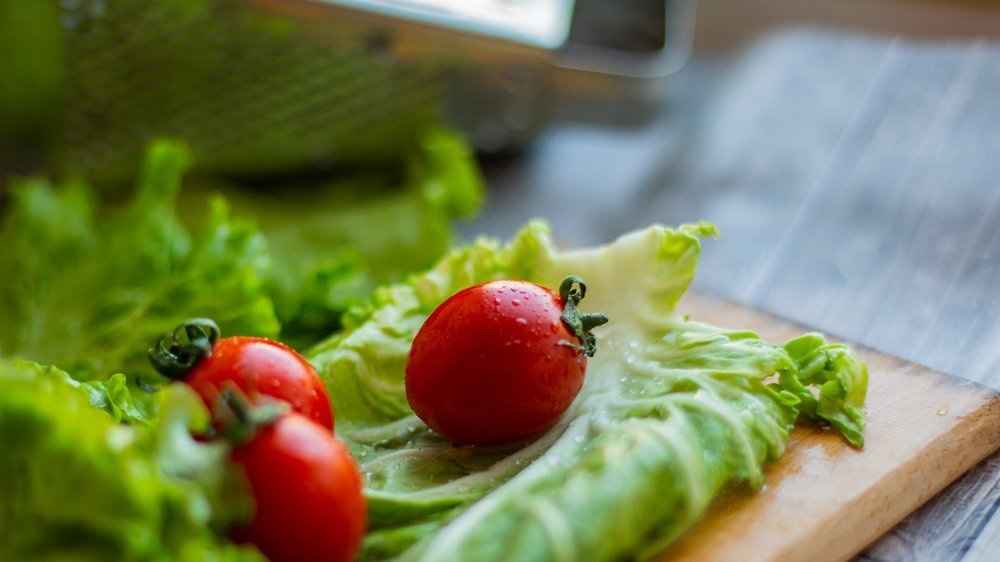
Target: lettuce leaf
79,486
333,241
90,291
113,396
672,410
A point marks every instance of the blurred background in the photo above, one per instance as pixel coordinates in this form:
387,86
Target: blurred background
849,150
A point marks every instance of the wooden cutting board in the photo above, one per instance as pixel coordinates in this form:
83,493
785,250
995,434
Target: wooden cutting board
825,500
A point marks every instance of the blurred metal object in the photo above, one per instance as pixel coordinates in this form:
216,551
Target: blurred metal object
261,87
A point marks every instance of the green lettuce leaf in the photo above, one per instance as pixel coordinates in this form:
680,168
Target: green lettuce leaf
333,241
77,485
671,411
113,396
90,291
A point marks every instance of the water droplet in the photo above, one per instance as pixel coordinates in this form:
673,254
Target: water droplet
630,359
622,379
633,344
515,302
942,412
497,300
363,453
554,327
522,321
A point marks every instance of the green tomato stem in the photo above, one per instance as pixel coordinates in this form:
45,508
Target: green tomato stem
571,291
174,358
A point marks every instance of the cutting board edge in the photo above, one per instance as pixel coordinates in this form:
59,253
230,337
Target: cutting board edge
977,446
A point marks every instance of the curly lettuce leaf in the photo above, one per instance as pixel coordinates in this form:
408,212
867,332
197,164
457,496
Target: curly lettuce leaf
333,242
80,486
89,291
113,396
671,411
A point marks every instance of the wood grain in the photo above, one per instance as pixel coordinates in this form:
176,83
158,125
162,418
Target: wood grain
825,500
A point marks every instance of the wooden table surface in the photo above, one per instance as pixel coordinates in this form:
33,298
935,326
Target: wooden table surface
855,179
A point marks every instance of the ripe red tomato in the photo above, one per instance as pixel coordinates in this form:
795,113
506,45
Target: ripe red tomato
497,362
256,366
307,493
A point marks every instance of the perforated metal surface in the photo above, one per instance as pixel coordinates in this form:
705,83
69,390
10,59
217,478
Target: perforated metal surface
251,92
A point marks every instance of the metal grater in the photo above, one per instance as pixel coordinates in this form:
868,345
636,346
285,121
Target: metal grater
265,87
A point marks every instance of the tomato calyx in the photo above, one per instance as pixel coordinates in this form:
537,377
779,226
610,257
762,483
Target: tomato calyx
239,419
571,291
174,357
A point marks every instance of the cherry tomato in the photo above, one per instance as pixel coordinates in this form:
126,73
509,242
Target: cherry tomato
307,493
257,366
497,362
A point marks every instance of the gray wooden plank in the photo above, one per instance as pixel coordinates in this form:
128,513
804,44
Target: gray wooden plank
948,527
914,193
986,545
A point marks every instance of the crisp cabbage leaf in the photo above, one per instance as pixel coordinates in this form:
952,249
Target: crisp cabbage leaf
671,411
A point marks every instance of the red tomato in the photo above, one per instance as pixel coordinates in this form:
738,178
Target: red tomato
307,493
256,366
496,363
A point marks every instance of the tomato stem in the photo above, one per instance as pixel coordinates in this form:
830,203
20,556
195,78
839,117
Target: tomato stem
571,291
238,419
174,358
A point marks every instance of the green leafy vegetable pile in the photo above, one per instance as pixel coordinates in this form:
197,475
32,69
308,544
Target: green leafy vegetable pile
96,466
89,290
85,290
671,411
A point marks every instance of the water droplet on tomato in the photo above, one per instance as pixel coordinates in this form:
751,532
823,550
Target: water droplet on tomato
515,302
554,326
497,300
522,321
